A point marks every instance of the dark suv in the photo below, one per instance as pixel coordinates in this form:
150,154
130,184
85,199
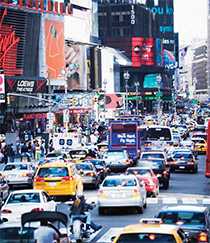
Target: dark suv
194,220
160,169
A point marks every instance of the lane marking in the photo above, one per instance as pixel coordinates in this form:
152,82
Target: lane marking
189,201
170,200
151,200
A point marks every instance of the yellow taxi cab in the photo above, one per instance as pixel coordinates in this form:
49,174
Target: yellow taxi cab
58,178
151,231
200,145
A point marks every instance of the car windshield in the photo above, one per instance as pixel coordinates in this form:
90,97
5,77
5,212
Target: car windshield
53,155
154,164
162,134
183,156
114,155
152,155
145,172
24,198
16,167
15,234
182,217
114,182
146,238
84,166
53,172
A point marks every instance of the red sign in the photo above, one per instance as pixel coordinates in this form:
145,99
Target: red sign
143,51
8,48
35,116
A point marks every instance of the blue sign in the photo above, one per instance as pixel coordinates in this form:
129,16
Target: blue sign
123,139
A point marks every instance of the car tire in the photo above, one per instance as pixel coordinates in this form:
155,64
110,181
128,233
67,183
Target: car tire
101,211
145,204
140,209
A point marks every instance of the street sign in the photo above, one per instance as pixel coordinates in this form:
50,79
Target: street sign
2,88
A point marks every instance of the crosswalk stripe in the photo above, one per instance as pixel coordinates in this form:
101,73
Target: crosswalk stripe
189,201
151,200
169,200
106,238
206,201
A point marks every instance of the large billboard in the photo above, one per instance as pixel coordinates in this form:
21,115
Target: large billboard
75,56
19,42
54,44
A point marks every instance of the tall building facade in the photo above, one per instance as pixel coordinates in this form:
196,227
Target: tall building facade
208,34
144,31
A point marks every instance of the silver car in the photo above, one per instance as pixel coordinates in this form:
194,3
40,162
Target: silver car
18,174
121,191
88,173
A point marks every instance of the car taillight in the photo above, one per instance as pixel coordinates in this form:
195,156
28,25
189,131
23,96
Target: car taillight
39,179
37,210
6,211
135,191
26,174
91,174
67,178
203,237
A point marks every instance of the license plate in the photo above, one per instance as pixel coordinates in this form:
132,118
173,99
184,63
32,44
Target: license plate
181,167
52,183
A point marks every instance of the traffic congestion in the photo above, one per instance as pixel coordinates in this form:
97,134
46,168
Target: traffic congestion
79,186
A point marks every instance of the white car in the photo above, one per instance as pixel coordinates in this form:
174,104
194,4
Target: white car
24,201
121,191
19,173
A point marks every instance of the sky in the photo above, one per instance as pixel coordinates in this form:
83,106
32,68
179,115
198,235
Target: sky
190,19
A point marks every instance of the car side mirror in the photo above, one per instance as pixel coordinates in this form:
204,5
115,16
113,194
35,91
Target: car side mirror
113,238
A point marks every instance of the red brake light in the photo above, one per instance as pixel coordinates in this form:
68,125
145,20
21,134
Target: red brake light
37,210
39,179
67,178
91,174
203,237
6,211
135,190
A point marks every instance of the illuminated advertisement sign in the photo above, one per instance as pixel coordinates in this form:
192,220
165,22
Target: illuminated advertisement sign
143,51
2,88
19,42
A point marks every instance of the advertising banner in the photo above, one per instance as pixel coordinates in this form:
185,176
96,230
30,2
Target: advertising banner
19,85
54,43
143,51
75,66
2,88
123,138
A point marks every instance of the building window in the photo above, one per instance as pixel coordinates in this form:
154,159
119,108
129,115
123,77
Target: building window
115,32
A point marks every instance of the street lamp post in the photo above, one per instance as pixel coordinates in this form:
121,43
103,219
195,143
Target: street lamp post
126,77
159,110
137,100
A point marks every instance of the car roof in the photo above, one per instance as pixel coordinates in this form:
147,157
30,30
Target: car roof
27,191
153,152
185,208
120,176
150,228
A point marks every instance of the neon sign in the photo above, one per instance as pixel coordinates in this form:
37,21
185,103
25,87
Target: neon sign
8,47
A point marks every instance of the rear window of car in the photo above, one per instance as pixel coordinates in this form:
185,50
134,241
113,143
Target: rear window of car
84,167
53,172
16,167
183,155
145,172
156,156
53,155
186,218
119,182
117,155
145,238
24,198
153,164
